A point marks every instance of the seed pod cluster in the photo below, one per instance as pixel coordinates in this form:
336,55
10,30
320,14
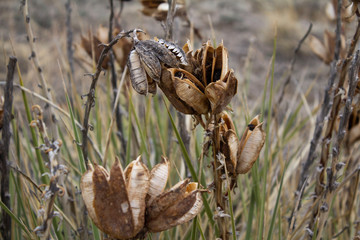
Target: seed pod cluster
240,155
124,204
204,85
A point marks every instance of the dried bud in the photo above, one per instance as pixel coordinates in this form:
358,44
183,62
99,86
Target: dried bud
250,146
116,202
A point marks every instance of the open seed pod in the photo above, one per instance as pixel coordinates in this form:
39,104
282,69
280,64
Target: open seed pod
250,146
229,144
116,201
176,206
205,83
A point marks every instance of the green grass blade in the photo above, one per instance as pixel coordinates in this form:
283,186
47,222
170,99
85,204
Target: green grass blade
192,170
266,162
17,220
273,218
232,215
77,136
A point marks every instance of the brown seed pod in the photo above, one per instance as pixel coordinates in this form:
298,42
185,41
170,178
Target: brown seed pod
116,201
250,146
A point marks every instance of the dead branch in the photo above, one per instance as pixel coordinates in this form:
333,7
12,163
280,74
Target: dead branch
5,227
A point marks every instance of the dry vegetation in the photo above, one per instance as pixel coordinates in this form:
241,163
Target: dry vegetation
271,147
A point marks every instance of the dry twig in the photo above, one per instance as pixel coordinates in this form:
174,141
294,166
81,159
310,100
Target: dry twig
5,227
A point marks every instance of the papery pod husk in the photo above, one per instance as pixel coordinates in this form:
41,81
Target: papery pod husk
229,144
230,147
207,60
188,88
179,212
250,146
107,198
221,92
137,179
137,73
167,86
158,179
220,65
166,200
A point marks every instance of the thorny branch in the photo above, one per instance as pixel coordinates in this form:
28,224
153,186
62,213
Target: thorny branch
5,226
91,95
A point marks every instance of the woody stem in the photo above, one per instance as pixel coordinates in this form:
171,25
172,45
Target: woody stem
220,200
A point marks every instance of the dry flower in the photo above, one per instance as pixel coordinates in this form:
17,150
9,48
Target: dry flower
126,203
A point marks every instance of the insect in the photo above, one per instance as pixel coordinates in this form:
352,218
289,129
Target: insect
146,60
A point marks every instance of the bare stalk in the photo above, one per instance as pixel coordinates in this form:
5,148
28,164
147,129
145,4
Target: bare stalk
43,83
5,226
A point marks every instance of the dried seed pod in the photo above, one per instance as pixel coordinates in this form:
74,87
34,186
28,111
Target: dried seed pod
167,86
158,179
250,146
187,206
229,144
221,92
116,202
137,73
190,90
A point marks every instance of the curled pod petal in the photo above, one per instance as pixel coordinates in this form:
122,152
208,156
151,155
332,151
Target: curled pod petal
207,60
137,73
250,146
188,88
137,179
166,84
179,212
166,199
230,147
158,179
221,92
220,63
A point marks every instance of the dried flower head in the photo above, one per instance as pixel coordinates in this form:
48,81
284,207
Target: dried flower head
126,203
